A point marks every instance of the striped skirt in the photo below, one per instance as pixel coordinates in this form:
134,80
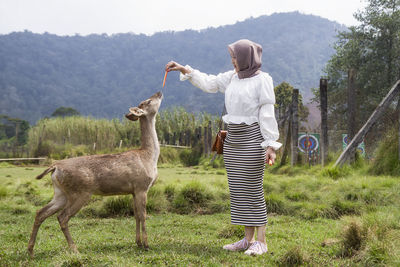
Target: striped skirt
245,162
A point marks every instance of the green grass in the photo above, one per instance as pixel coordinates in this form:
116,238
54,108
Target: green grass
189,222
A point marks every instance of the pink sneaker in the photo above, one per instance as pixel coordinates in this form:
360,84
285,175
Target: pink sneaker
238,246
257,248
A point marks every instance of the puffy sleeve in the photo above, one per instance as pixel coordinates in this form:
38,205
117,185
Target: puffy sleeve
266,115
208,83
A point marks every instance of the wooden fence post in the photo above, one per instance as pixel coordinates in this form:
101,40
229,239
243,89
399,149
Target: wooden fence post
174,139
351,108
205,140
209,144
288,137
323,87
295,126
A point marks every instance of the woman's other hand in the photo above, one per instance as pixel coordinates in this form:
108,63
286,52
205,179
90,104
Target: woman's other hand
174,66
270,156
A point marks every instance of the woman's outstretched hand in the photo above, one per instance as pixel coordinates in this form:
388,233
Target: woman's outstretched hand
270,156
174,66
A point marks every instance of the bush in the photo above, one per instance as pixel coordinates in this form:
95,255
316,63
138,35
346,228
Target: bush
169,192
190,157
340,208
293,257
168,155
351,238
194,197
117,206
387,156
336,172
229,231
156,200
275,204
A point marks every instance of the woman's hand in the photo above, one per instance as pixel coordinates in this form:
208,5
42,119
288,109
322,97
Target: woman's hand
270,156
174,66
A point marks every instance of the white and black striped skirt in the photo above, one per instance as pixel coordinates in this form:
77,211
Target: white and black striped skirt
245,162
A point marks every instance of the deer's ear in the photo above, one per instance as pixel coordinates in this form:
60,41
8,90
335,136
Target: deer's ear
138,112
134,114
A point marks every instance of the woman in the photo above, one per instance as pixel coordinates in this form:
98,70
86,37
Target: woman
251,139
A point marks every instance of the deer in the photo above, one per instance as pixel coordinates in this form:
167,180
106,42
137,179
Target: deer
133,172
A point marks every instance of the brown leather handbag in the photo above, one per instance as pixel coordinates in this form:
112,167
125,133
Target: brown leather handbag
218,145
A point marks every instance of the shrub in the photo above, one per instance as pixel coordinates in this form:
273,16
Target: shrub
169,192
275,204
340,208
293,257
193,197
190,157
352,238
336,172
387,156
231,230
117,206
168,155
219,205
156,200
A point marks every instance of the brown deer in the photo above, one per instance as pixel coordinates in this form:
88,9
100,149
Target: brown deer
75,180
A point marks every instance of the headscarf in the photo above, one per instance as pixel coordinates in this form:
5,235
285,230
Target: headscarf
248,56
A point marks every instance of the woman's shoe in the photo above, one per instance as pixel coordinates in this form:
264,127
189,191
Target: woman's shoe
257,248
238,246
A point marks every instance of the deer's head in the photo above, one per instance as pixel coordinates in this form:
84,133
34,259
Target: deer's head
146,108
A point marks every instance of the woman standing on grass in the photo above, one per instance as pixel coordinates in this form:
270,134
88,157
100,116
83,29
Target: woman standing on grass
251,139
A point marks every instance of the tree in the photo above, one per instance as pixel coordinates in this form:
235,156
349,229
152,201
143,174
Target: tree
373,50
65,112
283,100
13,130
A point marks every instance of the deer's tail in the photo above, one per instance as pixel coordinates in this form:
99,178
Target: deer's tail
48,170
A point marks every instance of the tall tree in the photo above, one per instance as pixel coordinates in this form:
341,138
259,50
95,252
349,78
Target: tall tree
283,100
373,50
65,112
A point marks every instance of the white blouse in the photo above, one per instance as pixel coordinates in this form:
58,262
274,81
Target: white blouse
247,100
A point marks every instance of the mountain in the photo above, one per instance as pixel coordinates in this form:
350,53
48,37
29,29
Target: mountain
104,75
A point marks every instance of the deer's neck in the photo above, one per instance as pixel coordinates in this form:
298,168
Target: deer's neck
149,138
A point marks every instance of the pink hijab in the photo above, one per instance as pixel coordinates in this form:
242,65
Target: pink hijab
248,56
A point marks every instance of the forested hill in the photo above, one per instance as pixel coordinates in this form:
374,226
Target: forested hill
102,75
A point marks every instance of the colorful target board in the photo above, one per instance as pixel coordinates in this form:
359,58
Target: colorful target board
360,148
308,142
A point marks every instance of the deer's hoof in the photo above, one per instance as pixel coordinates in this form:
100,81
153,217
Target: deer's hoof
30,252
74,249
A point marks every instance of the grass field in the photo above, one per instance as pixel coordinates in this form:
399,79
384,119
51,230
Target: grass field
318,217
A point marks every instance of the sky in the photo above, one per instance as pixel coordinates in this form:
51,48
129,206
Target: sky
70,17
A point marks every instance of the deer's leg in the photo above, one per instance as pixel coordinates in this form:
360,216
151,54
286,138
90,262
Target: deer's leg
136,214
74,204
58,202
140,203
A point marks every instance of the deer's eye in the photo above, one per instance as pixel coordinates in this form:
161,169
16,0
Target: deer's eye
148,102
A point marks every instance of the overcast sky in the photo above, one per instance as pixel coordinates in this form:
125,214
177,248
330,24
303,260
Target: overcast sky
68,17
